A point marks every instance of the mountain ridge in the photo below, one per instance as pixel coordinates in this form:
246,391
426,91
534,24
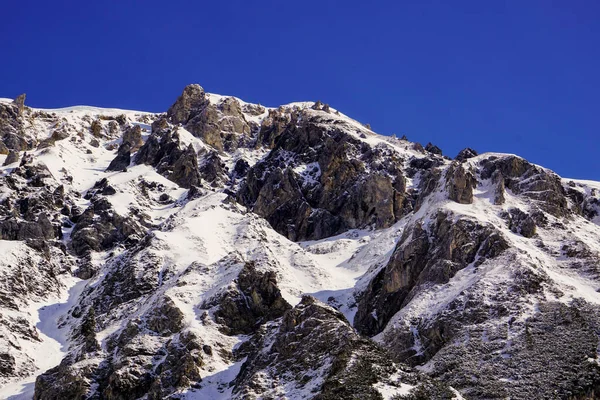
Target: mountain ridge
193,241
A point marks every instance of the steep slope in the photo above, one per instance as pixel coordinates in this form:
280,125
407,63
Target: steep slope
228,250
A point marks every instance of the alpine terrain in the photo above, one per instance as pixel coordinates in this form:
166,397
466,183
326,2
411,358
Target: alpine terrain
226,250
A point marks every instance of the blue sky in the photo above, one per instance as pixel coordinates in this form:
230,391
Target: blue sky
509,76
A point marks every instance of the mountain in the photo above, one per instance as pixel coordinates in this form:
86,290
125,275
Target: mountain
226,250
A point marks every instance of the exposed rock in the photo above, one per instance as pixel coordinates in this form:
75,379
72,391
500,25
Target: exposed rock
100,228
334,195
122,160
433,149
465,154
12,158
254,301
96,128
191,101
524,178
20,103
133,137
212,169
162,150
314,342
460,184
424,255
520,222
185,170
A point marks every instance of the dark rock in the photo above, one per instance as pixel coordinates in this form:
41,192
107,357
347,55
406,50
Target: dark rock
465,154
314,342
212,169
100,228
425,255
520,222
524,178
433,149
336,194
122,160
254,301
162,150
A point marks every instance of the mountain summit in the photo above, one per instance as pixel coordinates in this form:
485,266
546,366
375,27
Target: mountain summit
227,250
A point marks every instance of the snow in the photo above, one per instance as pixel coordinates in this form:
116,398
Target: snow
53,347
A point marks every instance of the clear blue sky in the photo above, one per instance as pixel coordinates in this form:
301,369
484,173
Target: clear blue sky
510,76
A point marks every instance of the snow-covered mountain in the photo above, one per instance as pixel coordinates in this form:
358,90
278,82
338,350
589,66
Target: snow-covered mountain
226,250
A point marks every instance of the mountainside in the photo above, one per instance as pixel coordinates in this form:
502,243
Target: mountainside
226,250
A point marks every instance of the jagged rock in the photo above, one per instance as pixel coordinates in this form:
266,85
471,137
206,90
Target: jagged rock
241,168
460,184
315,342
162,150
499,188
465,154
520,222
166,319
133,137
433,149
185,170
8,365
424,255
331,197
212,169
12,157
122,160
100,228
254,301
96,128
191,101
522,177
20,103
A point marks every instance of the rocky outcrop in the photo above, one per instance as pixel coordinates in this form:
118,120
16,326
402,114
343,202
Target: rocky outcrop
223,127
425,255
212,169
465,154
12,130
163,151
342,184
133,137
433,149
525,179
313,349
520,222
20,103
255,300
460,184
100,228
547,356
122,160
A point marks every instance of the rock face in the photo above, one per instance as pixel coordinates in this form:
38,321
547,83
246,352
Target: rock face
254,301
460,184
536,183
223,127
339,186
100,228
465,154
425,254
163,151
313,342
122,160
